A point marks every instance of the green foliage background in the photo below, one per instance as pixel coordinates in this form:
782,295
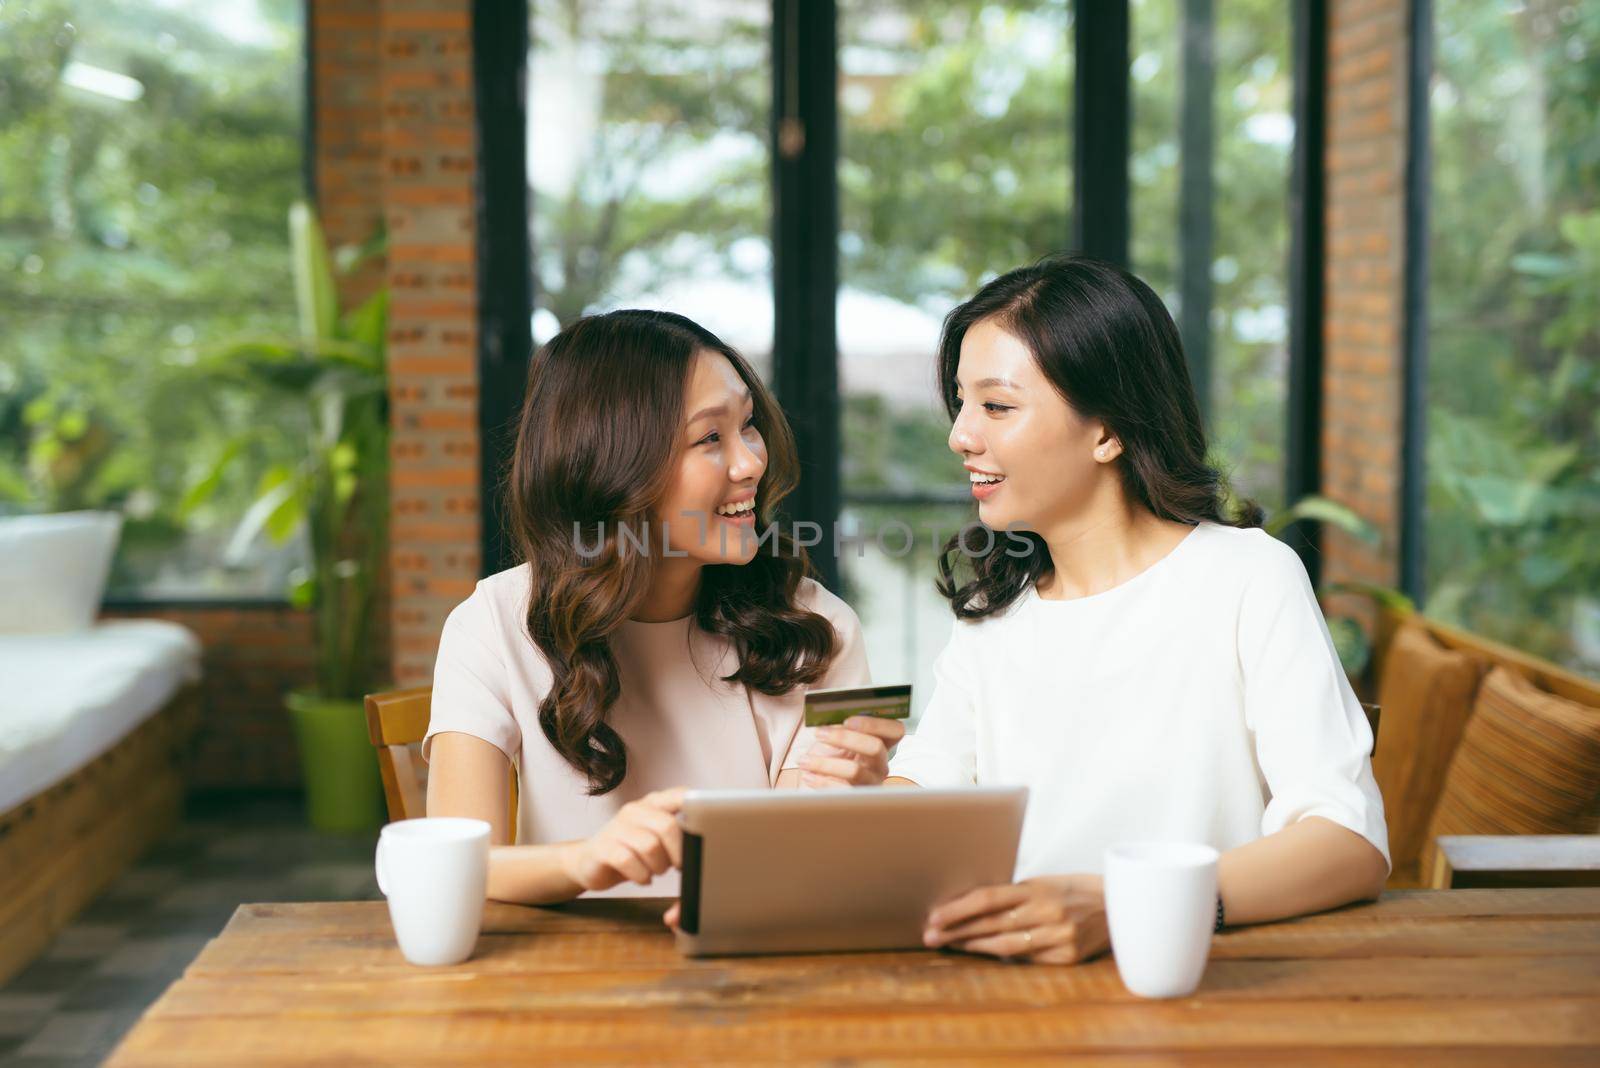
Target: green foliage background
133,236
1513,447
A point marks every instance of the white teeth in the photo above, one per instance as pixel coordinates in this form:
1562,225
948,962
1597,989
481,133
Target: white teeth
985,478
736,509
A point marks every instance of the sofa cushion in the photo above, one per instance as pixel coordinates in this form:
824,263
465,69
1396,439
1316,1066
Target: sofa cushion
53,570
1528,763
67,698
1426,695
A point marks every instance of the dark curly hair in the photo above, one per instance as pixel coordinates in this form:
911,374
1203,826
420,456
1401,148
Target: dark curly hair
1107,344
597,441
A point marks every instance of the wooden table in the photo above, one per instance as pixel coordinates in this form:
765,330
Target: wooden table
1452,977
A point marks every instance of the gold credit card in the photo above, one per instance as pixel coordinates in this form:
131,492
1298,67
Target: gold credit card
827,707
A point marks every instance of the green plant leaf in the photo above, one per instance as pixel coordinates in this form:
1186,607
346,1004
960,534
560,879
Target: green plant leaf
1323,510
314,293
1545,464
349,258
1350,641
38,410
286,518
302,588
270,512
1387,596
367,324
1542,570
14,485
203,490
273,477
72,424
1501,501
1541,264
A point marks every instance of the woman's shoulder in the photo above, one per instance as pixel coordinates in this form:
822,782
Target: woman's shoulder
1248,557
496,608
488,632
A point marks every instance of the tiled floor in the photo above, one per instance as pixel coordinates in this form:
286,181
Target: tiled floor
73,1004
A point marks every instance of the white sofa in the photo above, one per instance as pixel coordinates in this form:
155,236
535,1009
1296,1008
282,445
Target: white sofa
67,698
95,719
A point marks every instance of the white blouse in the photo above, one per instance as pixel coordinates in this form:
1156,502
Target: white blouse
1201,701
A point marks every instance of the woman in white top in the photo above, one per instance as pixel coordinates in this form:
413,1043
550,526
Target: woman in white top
650,641
1148,667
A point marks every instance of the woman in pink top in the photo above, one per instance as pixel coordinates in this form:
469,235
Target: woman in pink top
656,637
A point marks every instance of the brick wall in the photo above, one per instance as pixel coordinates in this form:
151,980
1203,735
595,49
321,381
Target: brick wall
348,116
1362,388
252,655
428,176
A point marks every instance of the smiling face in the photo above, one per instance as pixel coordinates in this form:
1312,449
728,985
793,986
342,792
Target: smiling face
708,510
1032,459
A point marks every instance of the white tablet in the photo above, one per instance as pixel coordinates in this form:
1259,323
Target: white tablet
799,871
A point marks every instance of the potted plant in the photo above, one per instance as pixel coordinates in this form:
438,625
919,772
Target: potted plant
1349,639
337,495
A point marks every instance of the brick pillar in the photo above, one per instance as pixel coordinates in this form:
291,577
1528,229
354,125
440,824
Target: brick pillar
349,131
1363,392
428,163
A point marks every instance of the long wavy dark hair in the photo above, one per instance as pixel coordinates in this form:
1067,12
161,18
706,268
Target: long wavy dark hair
597,442
1105,341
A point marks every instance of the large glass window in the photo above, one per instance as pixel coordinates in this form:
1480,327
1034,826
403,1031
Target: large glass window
955,165
1513,410
649,165
647,157
1245,165
149,152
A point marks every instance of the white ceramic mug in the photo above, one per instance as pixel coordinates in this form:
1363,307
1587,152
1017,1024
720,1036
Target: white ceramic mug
434,873
1161,906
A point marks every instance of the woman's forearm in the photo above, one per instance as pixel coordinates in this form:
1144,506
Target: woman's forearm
1310,865
531,874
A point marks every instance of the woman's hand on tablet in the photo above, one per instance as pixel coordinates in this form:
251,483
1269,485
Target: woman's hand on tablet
854,753
1054,919
641,841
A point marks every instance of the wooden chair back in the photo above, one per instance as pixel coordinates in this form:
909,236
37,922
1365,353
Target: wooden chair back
1549,677
396,721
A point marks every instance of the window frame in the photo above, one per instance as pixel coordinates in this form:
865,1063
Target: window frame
1414,325
804,68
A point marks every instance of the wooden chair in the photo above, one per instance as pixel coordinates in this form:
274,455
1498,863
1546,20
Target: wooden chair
1498,860
396,721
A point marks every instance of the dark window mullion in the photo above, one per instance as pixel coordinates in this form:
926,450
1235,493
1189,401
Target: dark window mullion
1100,114
1195,200
1303,455
505,255
1413,425
805,259
308,103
